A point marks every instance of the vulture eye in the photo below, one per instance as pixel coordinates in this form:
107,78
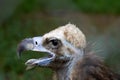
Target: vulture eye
54,42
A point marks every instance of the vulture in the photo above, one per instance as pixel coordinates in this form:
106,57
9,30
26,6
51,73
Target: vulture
68,55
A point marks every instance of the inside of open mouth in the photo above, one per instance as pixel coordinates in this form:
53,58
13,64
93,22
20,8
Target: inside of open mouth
34,59
35,55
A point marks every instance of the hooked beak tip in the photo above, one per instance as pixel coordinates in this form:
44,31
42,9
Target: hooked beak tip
20,49
24,45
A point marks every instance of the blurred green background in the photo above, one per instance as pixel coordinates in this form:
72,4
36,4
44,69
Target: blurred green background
19,19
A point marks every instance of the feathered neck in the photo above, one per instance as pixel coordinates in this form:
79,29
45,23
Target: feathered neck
66,72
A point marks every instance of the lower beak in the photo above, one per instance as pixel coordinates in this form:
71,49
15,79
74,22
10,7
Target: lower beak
35,44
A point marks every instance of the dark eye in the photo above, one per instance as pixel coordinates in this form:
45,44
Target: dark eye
54,42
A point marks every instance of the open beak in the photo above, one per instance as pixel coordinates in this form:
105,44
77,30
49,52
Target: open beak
35,44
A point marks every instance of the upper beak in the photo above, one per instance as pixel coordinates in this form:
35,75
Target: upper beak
26,44
35,44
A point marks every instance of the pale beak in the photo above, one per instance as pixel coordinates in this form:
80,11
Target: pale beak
35,44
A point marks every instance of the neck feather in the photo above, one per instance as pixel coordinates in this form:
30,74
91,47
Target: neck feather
66,72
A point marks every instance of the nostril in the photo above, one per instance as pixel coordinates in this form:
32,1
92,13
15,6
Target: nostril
36,43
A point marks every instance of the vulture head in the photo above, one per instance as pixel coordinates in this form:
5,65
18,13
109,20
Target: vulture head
66,49
62,45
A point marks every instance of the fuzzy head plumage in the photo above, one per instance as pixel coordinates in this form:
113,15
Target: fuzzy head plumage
62,44
70,33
